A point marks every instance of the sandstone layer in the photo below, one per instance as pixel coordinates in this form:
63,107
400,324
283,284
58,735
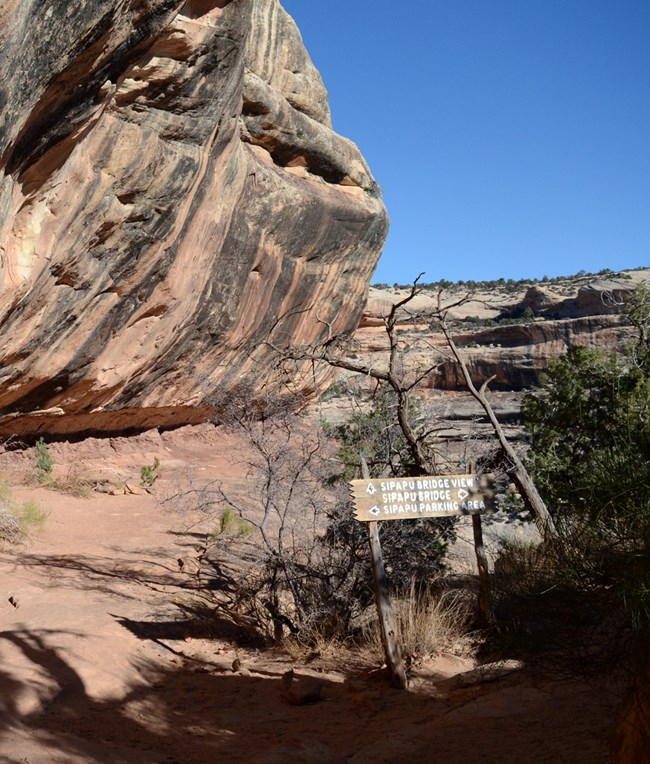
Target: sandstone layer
496,340
172,199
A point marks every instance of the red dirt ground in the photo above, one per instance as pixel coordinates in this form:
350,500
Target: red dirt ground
97,664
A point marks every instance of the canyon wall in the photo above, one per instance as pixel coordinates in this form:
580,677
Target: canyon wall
173,200
498,339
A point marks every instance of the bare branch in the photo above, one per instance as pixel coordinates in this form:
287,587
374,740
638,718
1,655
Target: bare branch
520,474
297,311
485,384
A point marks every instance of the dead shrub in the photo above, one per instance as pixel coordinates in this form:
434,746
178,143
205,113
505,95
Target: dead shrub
10,530
75,483
314,643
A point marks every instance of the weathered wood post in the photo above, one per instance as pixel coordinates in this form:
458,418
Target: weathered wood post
386,623
412,499
484,593
486,614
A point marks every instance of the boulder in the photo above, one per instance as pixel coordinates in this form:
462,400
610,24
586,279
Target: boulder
173,201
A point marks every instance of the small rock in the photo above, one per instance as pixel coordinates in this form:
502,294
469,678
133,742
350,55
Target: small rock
287,679
304,690
136,490
356,685
486,673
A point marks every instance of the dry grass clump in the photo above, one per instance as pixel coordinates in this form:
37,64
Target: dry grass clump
75,483
18,519
315,643
427,623
10,530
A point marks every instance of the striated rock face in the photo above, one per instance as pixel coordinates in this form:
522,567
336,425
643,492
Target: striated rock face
514,354
517,355
172,197
600,298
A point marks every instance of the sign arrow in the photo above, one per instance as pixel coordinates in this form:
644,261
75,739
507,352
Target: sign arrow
374,510
371,489
462,494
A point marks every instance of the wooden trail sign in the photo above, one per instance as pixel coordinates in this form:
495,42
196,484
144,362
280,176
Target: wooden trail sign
429,496
411,499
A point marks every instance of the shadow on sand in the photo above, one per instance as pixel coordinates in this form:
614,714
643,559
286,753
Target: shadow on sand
189,711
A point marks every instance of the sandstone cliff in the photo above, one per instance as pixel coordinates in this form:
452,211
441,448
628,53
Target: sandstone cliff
172,195
515,352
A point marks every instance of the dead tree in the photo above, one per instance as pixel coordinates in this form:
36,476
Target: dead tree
332,352
519,473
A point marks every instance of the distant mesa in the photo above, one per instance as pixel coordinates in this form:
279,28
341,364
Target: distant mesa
508,334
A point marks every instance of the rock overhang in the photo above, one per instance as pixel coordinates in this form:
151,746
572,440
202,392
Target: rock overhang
157,236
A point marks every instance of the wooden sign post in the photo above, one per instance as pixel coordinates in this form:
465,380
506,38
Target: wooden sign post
412,499
484,593
384,611
420,497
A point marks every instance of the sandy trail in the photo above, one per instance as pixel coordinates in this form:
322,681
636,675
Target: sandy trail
98,665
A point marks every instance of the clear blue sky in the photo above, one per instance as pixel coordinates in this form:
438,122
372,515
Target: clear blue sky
511,137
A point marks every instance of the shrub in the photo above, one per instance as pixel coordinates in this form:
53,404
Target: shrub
10,530
18,519
231,524
43,462
290,576
589,429
308,569
77,482
590,443
149,473
413,550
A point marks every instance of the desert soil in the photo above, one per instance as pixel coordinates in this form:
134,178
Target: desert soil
98,663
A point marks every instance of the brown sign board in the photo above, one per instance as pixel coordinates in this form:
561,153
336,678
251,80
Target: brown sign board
418,497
